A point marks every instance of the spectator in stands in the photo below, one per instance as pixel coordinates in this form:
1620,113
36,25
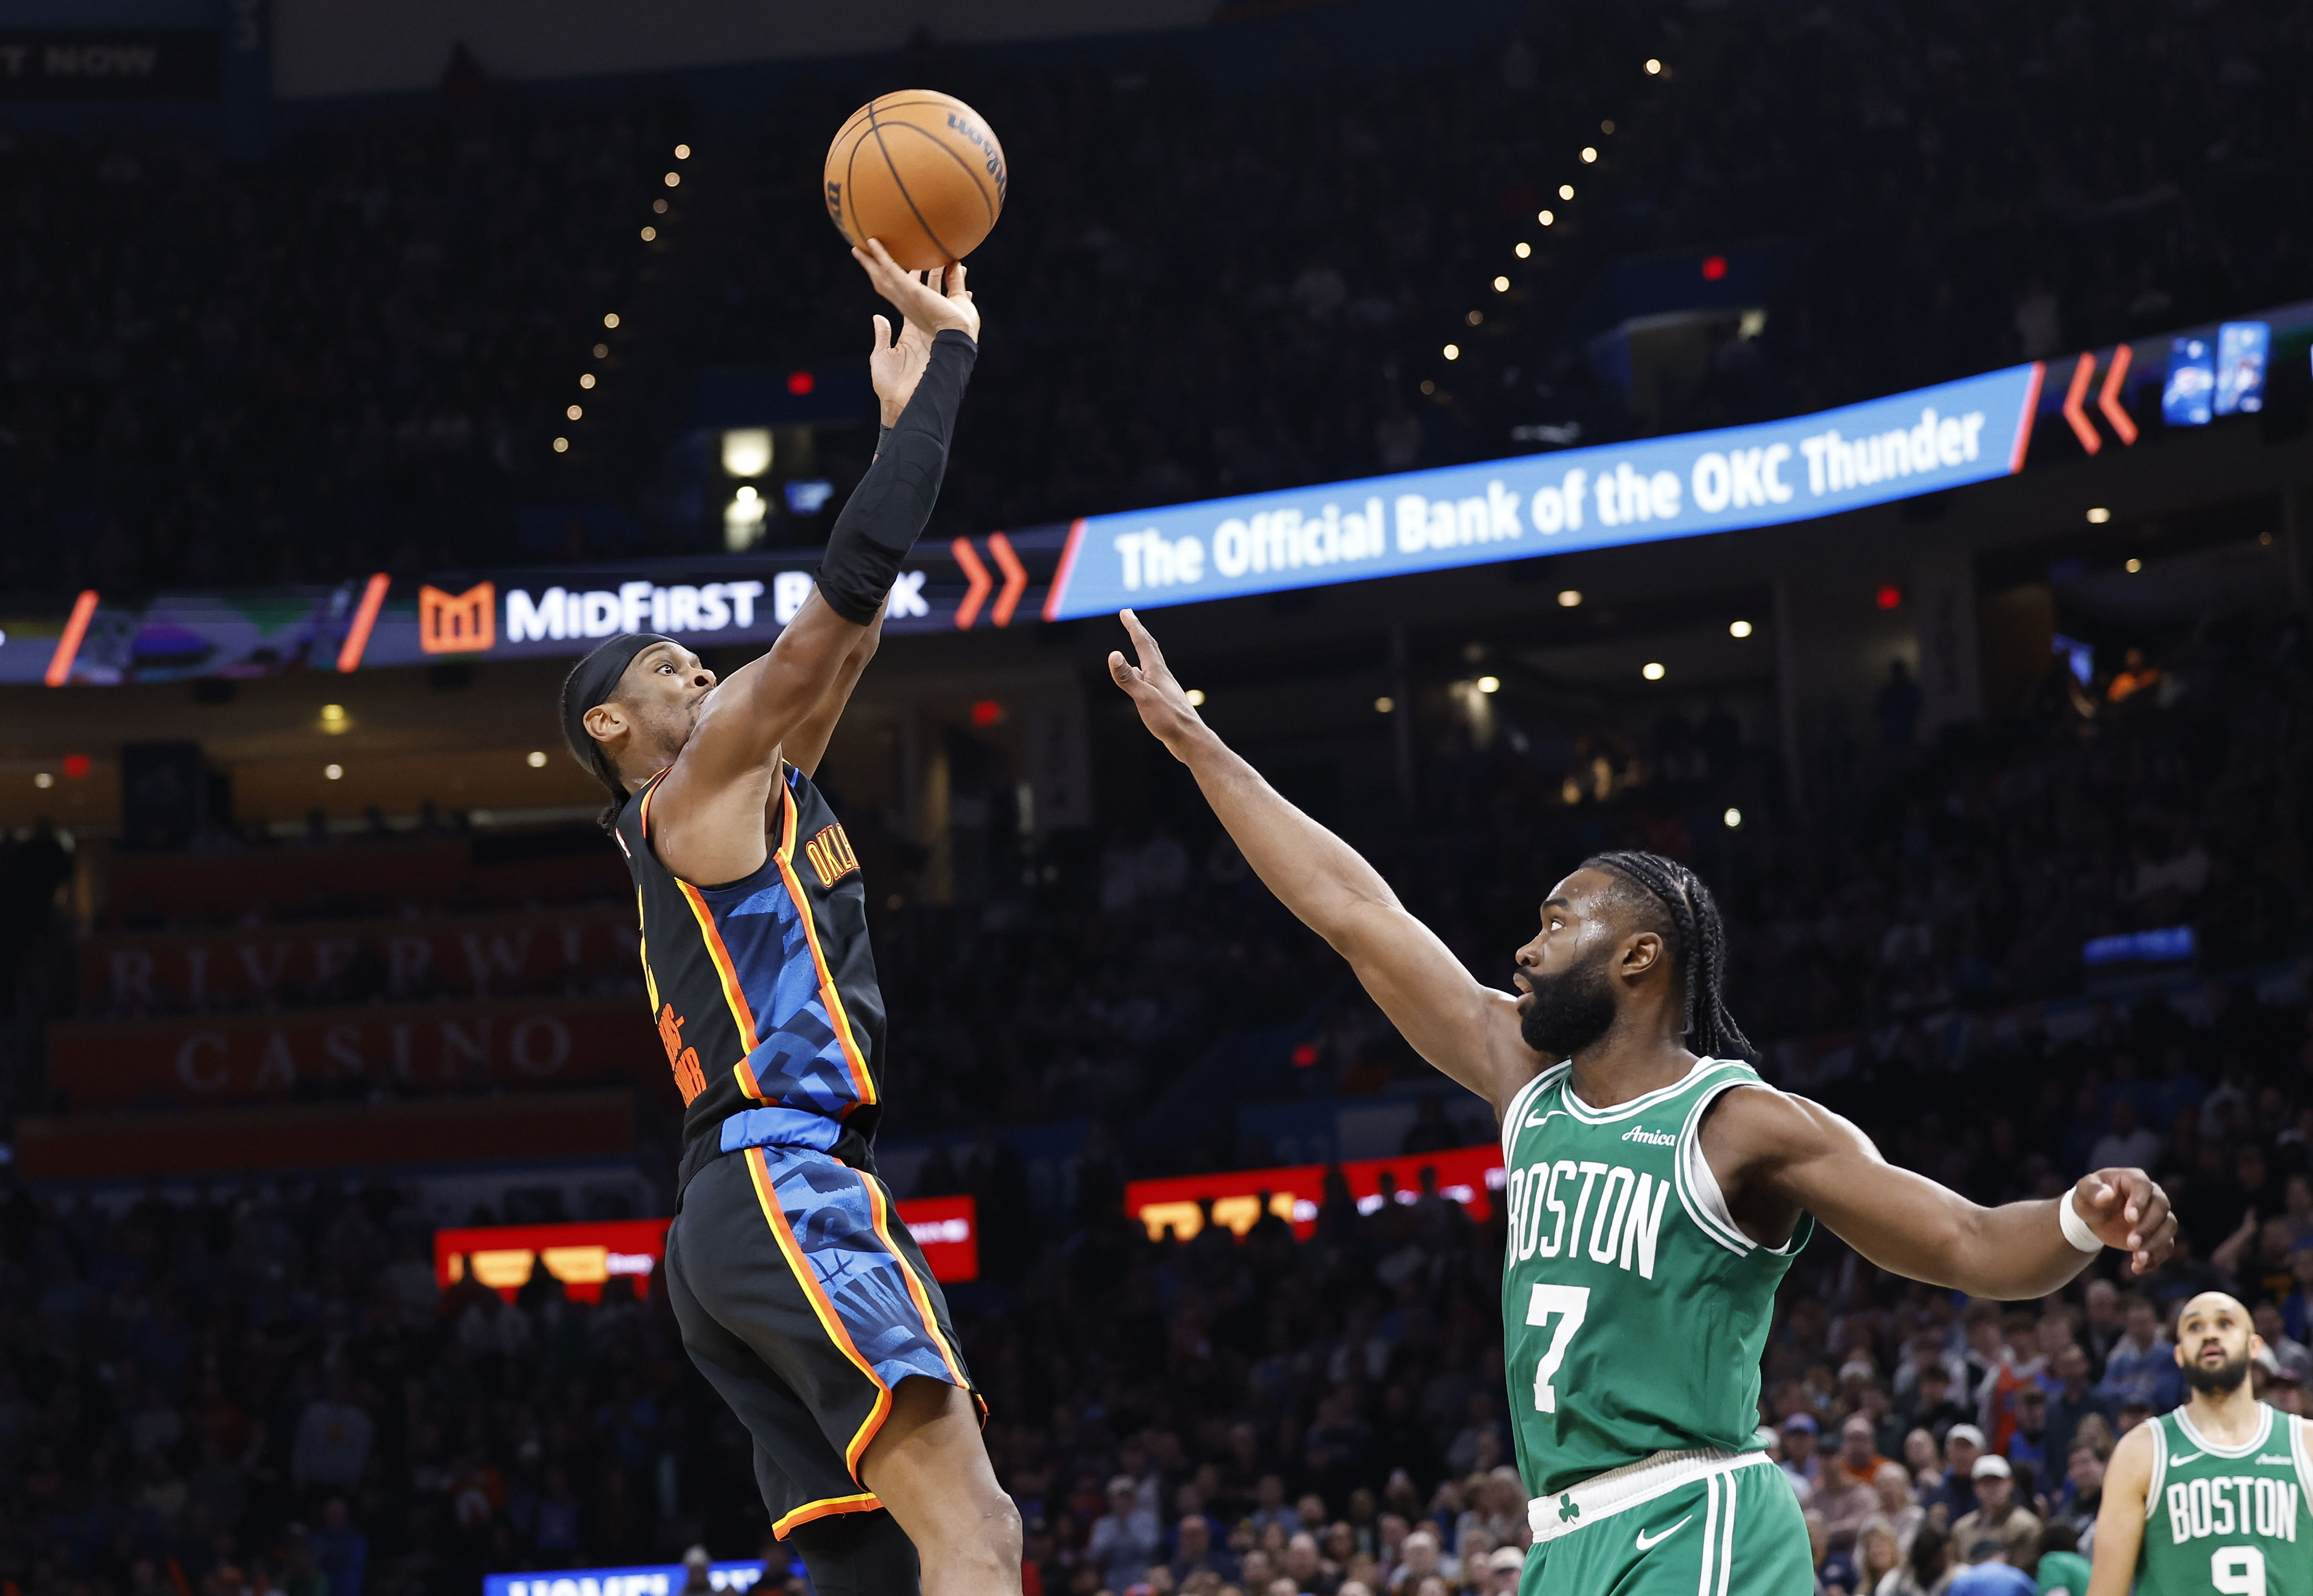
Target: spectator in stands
1195,1552
1998,1514
1800,1465
341,1550
1933,1409
2081,1495
1963,1450
1125,1540
1992,1570
2073,1400
1899,1505
2143,1365
333,1440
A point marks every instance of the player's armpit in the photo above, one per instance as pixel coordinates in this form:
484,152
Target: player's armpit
1774,1154
2119,1520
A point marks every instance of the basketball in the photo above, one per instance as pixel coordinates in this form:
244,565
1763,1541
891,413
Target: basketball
919,170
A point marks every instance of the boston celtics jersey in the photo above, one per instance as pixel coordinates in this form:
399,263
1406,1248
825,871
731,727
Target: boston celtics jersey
2232,1520
1634,1309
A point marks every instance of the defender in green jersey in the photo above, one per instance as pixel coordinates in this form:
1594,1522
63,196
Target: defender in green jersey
1659,1189
2216,1497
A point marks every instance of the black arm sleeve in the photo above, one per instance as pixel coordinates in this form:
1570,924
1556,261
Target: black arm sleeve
894,499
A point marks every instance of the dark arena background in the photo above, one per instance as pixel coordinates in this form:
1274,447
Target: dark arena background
1860,451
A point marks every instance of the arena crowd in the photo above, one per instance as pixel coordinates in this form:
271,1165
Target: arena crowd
357,351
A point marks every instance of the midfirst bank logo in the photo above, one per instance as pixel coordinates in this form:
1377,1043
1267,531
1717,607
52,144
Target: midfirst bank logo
468,622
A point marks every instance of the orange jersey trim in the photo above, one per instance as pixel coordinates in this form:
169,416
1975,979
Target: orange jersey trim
823,1309
862,1083
825,1507
720,956
915,1293
642,819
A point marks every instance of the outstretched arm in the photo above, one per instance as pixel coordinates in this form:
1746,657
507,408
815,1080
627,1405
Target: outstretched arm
2120,1520
709,814
1467,1030
1774,1155
806,745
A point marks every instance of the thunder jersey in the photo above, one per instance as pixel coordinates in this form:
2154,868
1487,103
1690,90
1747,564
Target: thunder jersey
1634,1309
2236,1520
763,989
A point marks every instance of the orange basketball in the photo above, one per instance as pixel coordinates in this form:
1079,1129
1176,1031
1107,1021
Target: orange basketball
919,170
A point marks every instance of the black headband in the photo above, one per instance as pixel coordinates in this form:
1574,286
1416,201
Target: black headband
592,681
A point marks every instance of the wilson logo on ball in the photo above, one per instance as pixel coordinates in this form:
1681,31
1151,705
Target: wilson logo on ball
920,170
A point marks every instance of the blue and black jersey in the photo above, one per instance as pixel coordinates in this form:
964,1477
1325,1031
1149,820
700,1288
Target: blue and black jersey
764,988
800,1293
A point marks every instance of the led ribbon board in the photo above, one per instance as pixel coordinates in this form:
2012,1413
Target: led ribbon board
1683,486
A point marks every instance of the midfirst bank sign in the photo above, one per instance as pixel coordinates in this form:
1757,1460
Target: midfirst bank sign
1682,487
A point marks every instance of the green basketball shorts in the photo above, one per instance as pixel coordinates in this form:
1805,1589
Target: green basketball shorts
1684,1524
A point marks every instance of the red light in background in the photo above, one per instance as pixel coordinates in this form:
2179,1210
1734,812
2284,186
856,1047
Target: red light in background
1305,1056
987,712
75,767
1714,267
801,383
1890,595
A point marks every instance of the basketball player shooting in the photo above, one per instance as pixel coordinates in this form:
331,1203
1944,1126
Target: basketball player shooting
1657,1190
801,1297
2216,1496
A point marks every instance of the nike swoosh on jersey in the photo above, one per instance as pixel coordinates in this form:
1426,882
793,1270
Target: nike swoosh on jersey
1540,1118
1647,1542
2179,1462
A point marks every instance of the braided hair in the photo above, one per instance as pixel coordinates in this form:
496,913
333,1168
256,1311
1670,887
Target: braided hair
1698,943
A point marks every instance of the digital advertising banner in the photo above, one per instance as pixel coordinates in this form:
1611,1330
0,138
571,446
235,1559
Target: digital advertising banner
1470,1176
1648,490
584,1255
1682,487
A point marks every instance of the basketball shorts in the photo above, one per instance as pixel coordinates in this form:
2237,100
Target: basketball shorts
804,1301
1733,1533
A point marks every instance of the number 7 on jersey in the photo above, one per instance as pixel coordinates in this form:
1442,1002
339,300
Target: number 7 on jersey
1570,1303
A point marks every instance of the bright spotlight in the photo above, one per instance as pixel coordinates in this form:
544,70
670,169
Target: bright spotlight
1652,671
1738,629
746,451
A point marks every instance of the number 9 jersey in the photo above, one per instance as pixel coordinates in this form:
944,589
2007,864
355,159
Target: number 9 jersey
2231,1521
1634,1309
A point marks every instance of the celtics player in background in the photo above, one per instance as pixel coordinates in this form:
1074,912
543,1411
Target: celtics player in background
1654,1202
2215,1496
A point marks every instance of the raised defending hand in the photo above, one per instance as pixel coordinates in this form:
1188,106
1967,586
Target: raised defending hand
928,303
2127,1209
1164,709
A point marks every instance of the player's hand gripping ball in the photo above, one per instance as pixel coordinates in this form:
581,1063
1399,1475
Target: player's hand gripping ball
919,170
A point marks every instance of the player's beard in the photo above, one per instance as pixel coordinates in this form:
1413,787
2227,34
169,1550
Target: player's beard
1570,1010
2220,1380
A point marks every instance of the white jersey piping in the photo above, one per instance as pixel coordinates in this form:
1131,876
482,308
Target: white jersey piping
2264,1433
1590,1116
1521,1101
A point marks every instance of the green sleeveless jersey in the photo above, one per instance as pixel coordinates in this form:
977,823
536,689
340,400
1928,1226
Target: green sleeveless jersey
1634,1309
2237,1520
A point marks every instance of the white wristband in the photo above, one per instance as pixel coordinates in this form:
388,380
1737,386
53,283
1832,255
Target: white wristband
2076,1229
